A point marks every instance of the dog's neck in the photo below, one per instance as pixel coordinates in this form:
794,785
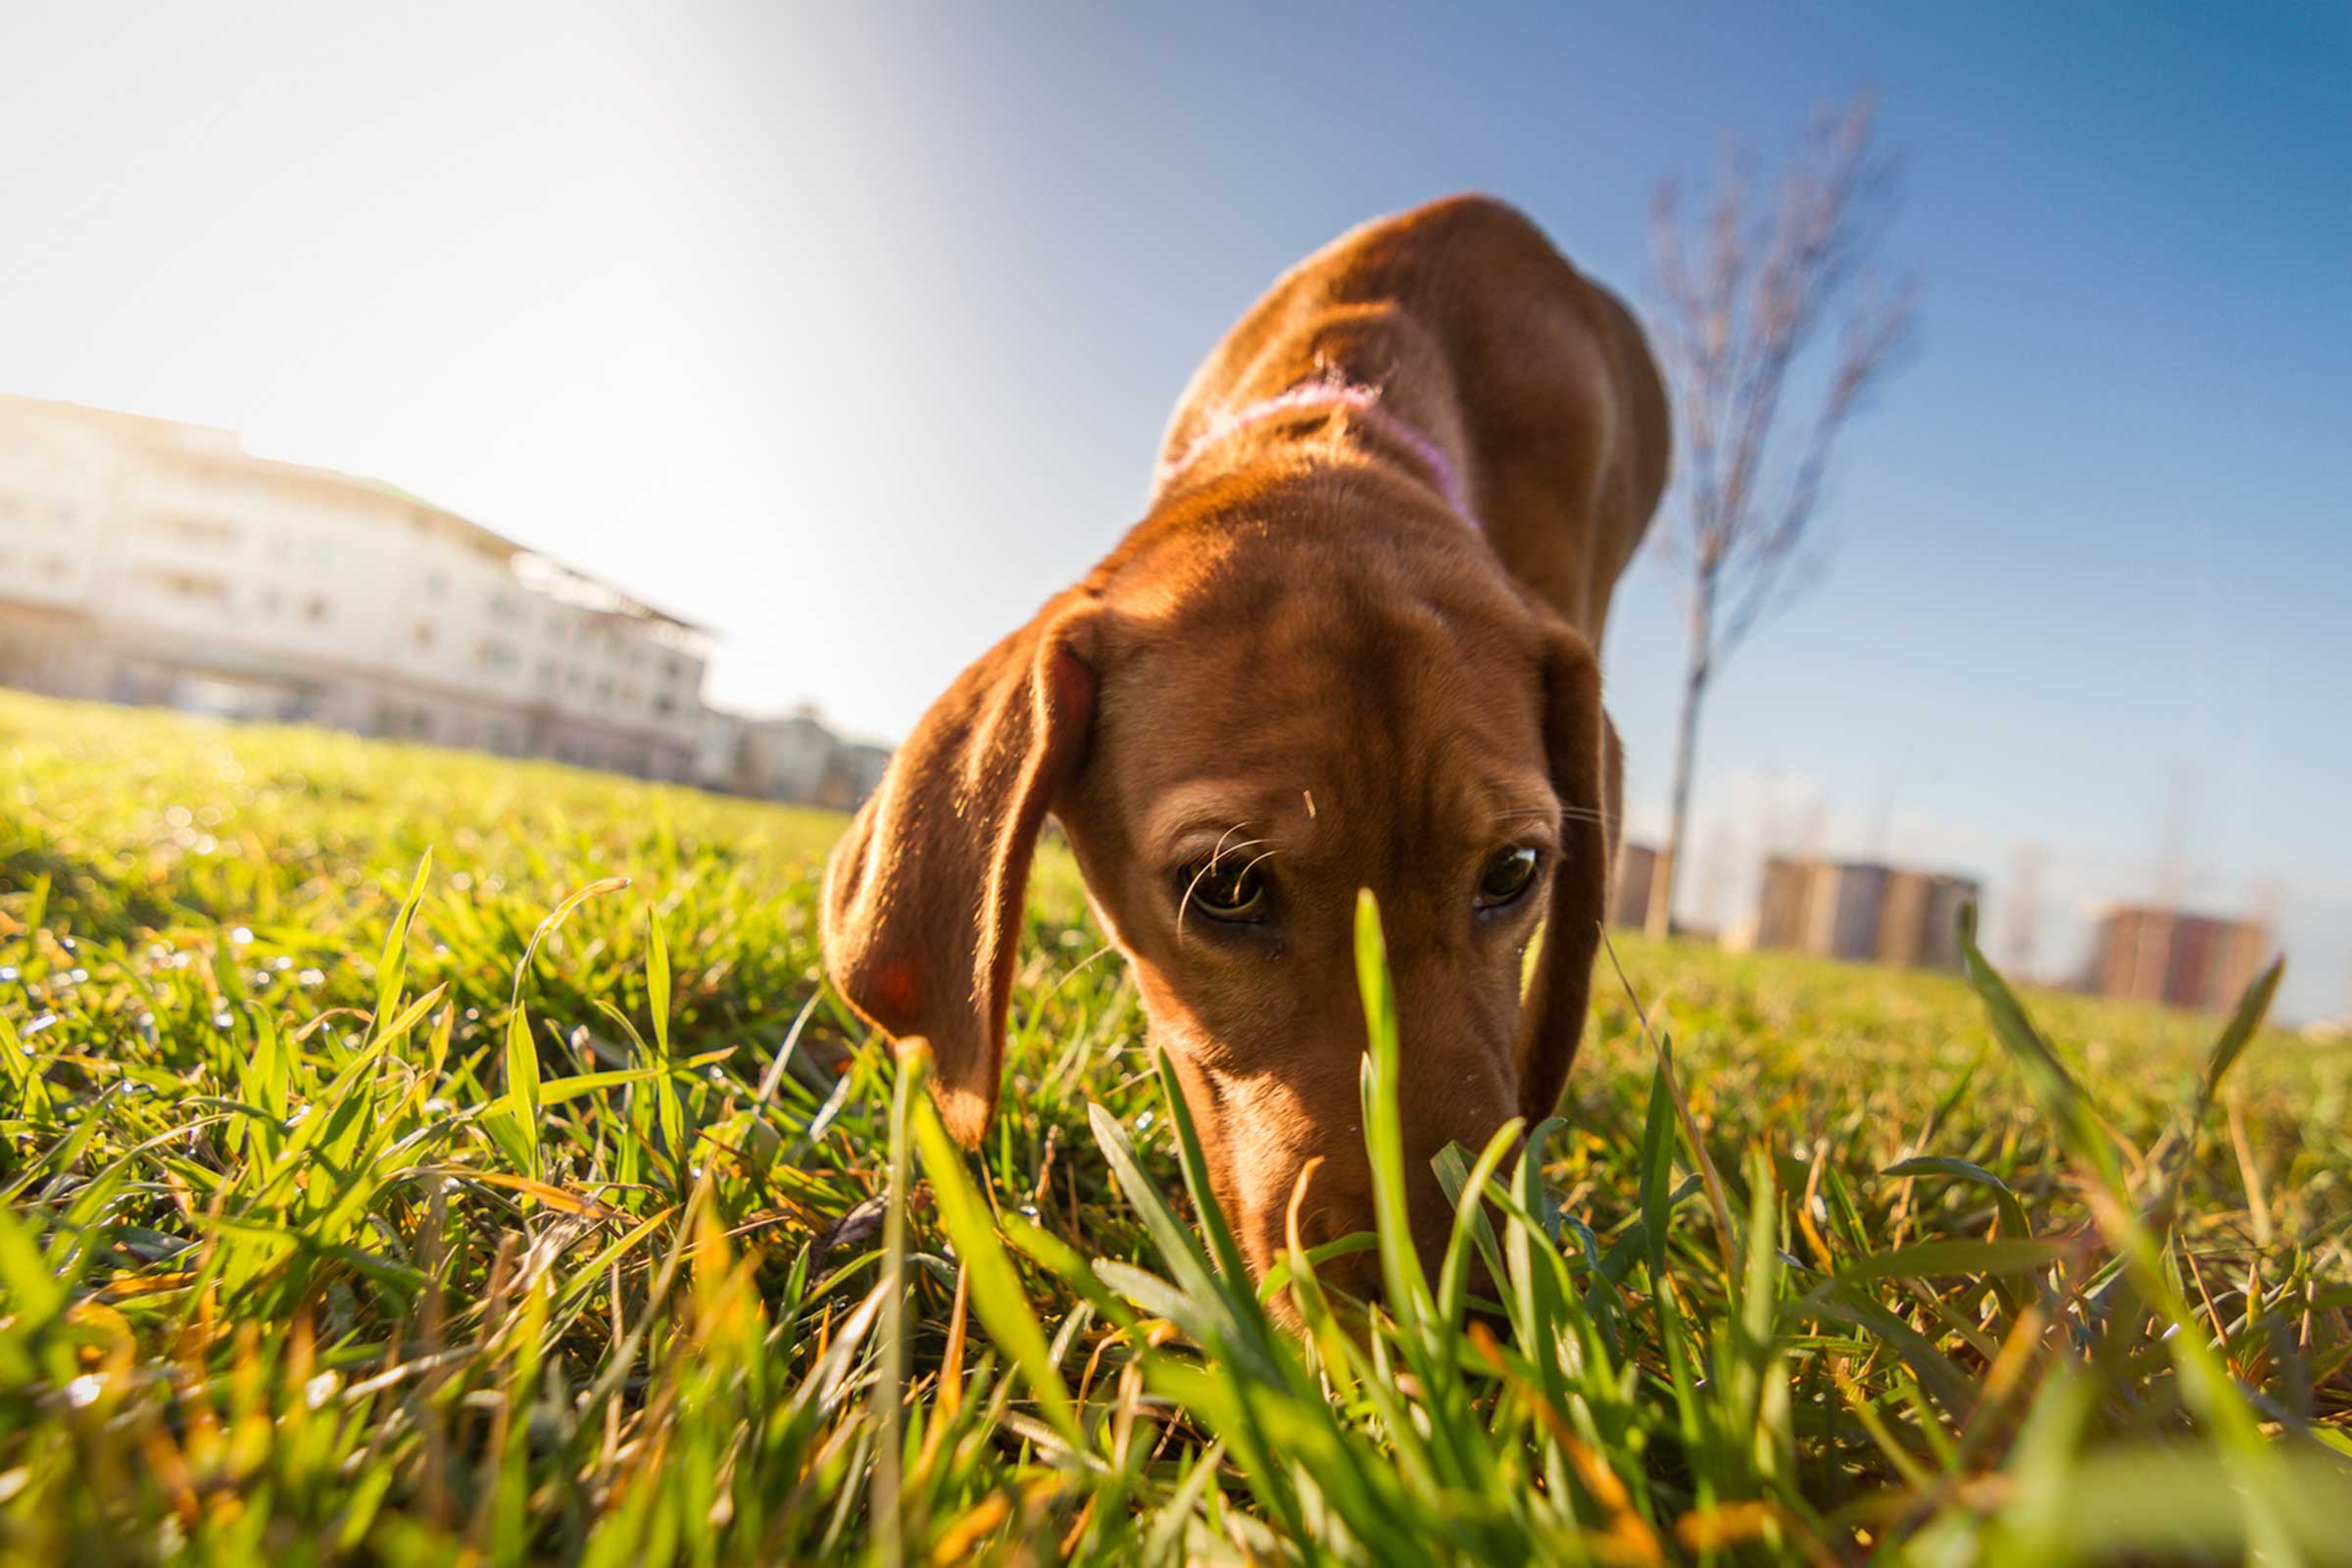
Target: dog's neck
1334,393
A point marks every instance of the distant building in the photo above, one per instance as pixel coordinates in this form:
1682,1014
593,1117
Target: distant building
717,744
2144,954
1635,882
1641,870
794,758
1862,911
147,561
852,773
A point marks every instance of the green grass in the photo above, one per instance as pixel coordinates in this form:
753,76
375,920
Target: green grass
537,1207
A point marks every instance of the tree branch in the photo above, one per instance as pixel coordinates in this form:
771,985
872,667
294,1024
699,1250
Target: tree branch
1738,328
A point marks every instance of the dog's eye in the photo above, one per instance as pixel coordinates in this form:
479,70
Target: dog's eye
1227,888
1507,875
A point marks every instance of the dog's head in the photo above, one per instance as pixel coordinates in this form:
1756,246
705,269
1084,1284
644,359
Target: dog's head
1238,728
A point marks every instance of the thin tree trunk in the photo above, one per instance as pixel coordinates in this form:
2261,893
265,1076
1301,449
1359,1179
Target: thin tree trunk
1660,920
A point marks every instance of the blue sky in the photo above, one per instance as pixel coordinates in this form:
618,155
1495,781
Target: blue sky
851,332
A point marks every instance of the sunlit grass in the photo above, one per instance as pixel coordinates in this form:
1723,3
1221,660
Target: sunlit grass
338,1227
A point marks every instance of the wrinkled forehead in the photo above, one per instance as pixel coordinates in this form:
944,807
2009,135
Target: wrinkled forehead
1329,725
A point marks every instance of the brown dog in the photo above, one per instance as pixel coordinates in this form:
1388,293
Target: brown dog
1351,645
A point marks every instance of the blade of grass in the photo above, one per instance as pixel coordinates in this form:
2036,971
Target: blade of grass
995,1289
1407,1286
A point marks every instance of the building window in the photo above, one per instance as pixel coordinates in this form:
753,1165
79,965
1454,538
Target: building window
494,655
178,584
314,610
195,530
423,634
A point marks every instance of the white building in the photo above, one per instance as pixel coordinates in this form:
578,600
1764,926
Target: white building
795,758
147,561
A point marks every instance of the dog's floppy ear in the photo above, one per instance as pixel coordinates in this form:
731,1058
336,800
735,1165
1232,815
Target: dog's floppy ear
922,903
1588,775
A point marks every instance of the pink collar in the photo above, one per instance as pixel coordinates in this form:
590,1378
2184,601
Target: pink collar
1333,391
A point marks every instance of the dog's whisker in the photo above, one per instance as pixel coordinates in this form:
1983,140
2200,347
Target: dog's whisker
1567,813
1219,852
1184,904
1253,865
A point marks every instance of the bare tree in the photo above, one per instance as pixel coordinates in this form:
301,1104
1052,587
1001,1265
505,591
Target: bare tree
1748,293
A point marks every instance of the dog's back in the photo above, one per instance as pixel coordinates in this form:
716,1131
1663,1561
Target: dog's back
1480,333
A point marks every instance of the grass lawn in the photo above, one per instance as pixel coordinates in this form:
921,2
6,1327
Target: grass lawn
538,1207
